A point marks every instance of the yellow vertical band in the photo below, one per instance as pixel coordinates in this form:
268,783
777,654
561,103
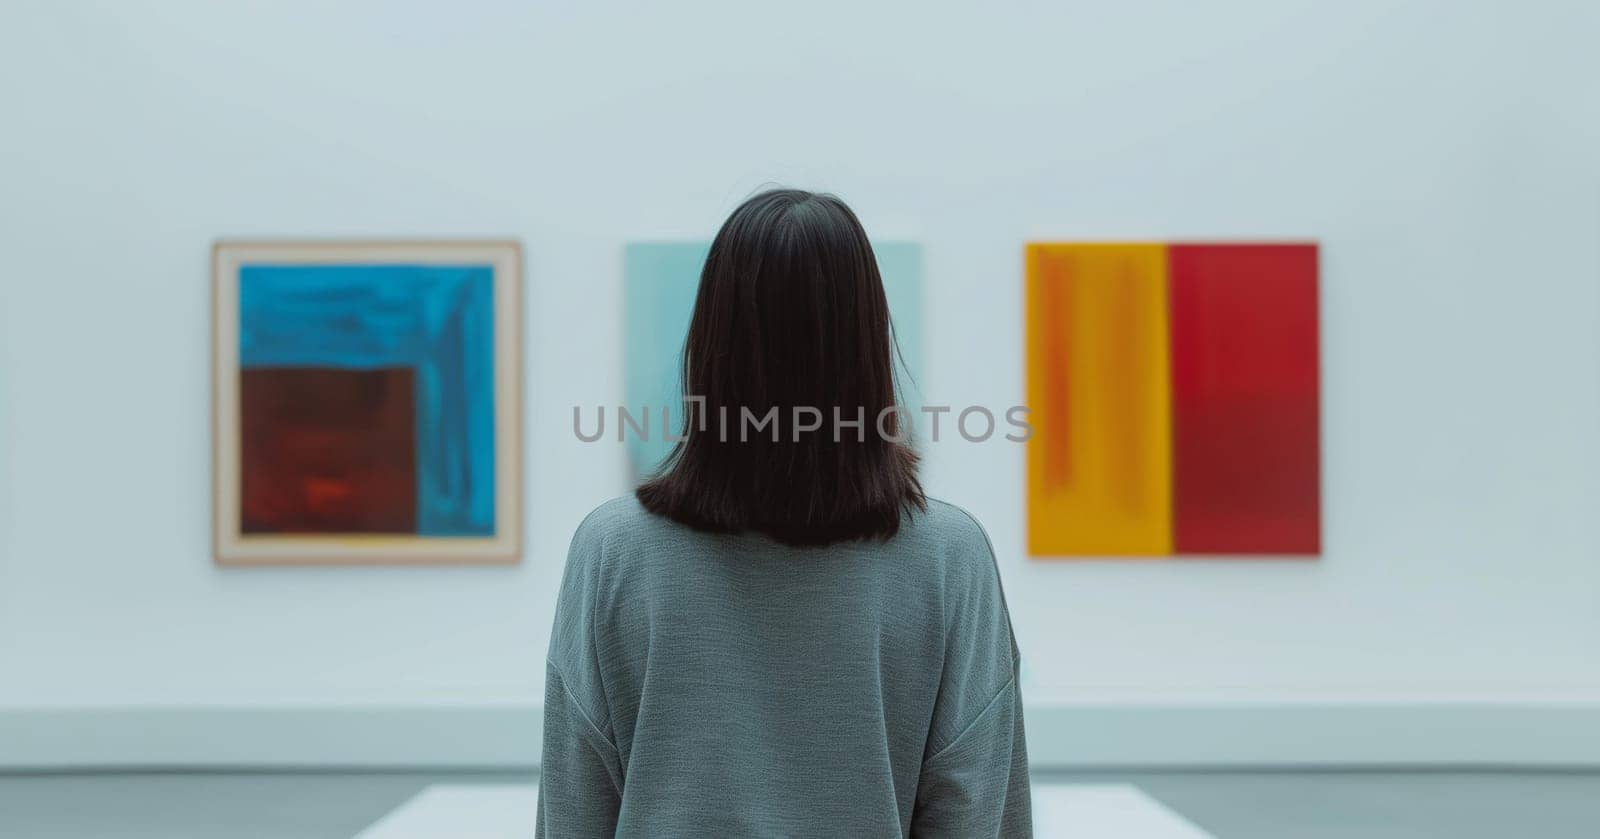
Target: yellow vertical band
1099,386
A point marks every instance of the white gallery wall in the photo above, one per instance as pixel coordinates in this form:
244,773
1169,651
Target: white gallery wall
1446,155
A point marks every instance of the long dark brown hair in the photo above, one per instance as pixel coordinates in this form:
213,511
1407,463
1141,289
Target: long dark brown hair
791,313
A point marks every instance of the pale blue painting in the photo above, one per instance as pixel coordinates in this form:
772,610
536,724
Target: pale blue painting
660,280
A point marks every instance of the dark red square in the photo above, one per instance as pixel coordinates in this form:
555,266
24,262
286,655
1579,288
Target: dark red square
327,450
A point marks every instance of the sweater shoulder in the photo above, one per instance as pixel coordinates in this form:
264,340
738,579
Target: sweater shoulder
952,526
622,523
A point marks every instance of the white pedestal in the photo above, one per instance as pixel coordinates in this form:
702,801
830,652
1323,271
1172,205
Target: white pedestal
506,811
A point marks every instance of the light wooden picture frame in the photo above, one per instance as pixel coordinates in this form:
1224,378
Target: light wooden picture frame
367,402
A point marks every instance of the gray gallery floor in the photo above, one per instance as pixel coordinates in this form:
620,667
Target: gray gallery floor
1231,805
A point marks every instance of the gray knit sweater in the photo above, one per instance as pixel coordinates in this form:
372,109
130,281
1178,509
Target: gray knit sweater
727,686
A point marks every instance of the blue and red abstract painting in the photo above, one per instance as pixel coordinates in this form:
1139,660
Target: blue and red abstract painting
367,397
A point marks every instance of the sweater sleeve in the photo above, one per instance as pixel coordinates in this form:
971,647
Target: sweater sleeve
580,773
977,786
580,790
974,780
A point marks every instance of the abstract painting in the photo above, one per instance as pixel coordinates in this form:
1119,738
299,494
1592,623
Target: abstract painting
660,281
367,402
1175,399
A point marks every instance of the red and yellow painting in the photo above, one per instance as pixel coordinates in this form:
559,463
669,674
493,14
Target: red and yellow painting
1174,390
